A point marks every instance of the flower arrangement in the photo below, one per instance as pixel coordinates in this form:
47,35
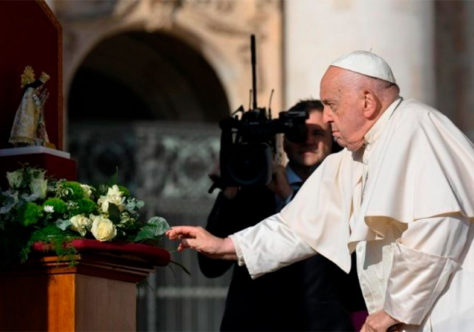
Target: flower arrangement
35,208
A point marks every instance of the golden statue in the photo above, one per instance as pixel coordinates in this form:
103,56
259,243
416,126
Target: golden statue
29,127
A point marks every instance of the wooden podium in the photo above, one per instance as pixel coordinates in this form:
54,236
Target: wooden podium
98,293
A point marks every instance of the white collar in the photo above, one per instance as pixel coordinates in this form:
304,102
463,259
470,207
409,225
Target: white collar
374,133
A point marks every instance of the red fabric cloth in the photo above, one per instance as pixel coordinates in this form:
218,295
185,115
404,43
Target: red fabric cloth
157,256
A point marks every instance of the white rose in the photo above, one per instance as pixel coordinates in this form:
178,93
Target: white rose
15,178
48,209
87,190
114,196
80,224
39,187
114,191
102,228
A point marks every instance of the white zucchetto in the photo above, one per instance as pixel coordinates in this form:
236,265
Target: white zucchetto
366,63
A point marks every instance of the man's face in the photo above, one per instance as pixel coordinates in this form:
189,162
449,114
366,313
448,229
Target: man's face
343,109
317,145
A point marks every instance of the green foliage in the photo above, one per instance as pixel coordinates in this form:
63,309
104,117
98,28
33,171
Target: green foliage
22,177
155,227
114,213
124,190
8,200
35,208
59,206
132,204
114,178
57,238
102,189
84,206
63,224
29,213
71,190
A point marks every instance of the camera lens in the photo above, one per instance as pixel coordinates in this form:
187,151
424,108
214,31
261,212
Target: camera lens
297,134
249,164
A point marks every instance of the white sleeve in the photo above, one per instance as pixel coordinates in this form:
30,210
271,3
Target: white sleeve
425,257
268,246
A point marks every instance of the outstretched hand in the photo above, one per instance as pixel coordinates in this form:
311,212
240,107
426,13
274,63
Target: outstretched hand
197,238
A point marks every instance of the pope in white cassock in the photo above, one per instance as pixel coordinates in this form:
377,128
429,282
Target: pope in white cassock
401,194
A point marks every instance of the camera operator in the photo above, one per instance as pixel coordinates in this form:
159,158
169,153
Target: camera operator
312,295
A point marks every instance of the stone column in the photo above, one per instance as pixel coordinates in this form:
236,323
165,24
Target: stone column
317,32
454,54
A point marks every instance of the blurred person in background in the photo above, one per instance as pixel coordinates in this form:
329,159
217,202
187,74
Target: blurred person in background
312,295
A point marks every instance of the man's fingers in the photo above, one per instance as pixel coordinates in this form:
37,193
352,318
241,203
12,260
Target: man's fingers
179,232
187,235
395,328
187,243
197,238
380,322
181,247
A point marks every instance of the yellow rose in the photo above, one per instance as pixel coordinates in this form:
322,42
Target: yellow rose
80,224
102,228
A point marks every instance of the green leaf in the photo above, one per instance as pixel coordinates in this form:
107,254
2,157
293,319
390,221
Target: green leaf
181,266
124,190
114,179
133,205
160,223
145,233
155,227
8,201
114,213
102,189
63,224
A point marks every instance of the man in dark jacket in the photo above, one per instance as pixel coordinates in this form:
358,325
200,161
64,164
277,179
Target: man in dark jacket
312,295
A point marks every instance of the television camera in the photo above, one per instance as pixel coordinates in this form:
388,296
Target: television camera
248,140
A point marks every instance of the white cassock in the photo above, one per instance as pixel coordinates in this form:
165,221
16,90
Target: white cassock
405,203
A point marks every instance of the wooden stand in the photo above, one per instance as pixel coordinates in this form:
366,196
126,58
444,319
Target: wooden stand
57,164
96,294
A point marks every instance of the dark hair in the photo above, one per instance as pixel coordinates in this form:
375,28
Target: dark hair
307,105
